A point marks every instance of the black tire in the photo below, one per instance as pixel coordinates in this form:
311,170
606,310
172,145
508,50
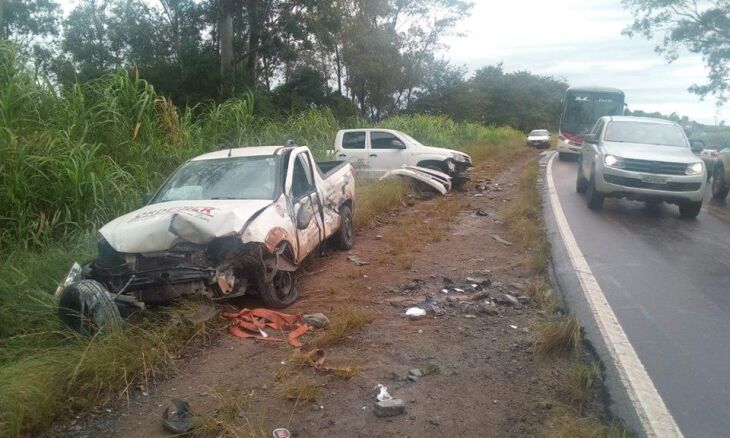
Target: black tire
594,197
690,210
281,292
720,187
581,183
344,238
87,307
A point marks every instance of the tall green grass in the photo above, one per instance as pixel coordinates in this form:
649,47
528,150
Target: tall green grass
71,159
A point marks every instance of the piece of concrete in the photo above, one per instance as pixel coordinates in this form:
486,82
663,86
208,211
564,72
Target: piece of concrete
390,408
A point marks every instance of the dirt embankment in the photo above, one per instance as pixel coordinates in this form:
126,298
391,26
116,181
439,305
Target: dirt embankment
474,349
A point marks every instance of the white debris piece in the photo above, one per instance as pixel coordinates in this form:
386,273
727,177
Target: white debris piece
383,394
415,312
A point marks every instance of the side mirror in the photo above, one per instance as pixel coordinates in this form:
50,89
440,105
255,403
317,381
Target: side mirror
590,138
304,216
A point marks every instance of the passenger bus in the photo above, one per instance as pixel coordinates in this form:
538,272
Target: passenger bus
582,106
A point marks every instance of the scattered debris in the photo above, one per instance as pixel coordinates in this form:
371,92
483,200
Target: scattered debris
390,408
415,372
482,213
383,393
250,324
415,313
514,327
357,261
202,314
435,420
509,300
181,420
316,320
500,240
433,179
281,433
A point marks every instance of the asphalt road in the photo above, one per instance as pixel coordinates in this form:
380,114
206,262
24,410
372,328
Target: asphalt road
668,282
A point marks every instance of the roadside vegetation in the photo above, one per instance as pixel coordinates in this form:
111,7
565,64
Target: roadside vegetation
558,336
75,158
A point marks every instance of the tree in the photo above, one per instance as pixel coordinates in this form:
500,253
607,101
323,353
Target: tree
700,27
21,20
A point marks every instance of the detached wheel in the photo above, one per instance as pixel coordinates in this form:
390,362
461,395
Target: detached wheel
690,210
720,187
280,292
344,238
595,198
87,307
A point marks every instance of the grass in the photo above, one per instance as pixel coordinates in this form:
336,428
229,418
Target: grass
543,296
579,383
299,389
558,336
566,422
524,216
230,417
344,324
376,198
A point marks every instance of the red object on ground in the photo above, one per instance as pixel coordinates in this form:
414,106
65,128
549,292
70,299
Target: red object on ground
251,323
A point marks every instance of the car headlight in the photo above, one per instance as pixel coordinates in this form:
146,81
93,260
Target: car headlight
695,168
458,157
613,161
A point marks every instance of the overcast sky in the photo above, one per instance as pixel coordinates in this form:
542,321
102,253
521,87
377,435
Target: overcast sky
581,41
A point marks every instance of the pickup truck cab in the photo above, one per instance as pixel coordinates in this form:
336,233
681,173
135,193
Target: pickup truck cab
224,224
374,152
644,159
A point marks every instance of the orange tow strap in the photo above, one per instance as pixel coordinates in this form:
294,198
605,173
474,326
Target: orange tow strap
250,324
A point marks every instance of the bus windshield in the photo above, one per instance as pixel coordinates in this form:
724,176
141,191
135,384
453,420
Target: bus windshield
581,109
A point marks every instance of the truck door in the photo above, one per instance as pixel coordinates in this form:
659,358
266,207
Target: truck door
354,151
387,152
305,199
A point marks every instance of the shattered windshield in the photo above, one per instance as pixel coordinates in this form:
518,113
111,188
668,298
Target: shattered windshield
228,178
645,133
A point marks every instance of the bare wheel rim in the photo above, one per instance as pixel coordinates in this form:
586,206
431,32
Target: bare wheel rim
347,228
283,284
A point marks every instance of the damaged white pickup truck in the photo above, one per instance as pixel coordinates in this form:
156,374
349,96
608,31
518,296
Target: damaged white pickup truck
225,224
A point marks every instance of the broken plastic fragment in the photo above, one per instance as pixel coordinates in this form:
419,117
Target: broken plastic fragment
415,312
357,261
383,394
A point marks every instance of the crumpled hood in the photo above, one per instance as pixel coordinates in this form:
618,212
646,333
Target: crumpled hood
668,154
157,227
446,153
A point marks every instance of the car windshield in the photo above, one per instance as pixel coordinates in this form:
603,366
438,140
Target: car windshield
539,132
645,133
583,108
225,178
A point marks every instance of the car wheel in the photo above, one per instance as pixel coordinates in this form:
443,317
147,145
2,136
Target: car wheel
344,238
280,292
690,210
87,307
581,183
594,197
720,188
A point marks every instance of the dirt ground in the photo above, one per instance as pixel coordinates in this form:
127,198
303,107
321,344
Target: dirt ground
484,378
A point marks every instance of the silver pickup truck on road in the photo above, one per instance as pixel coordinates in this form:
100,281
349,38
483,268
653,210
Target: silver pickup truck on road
643,159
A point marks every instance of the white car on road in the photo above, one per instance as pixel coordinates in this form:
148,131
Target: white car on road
643,159
375,152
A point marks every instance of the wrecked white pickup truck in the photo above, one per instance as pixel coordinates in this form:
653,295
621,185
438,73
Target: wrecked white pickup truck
225,224
380,152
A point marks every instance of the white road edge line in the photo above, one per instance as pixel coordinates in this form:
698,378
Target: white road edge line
653,413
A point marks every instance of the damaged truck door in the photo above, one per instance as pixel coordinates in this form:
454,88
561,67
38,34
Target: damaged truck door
226,224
